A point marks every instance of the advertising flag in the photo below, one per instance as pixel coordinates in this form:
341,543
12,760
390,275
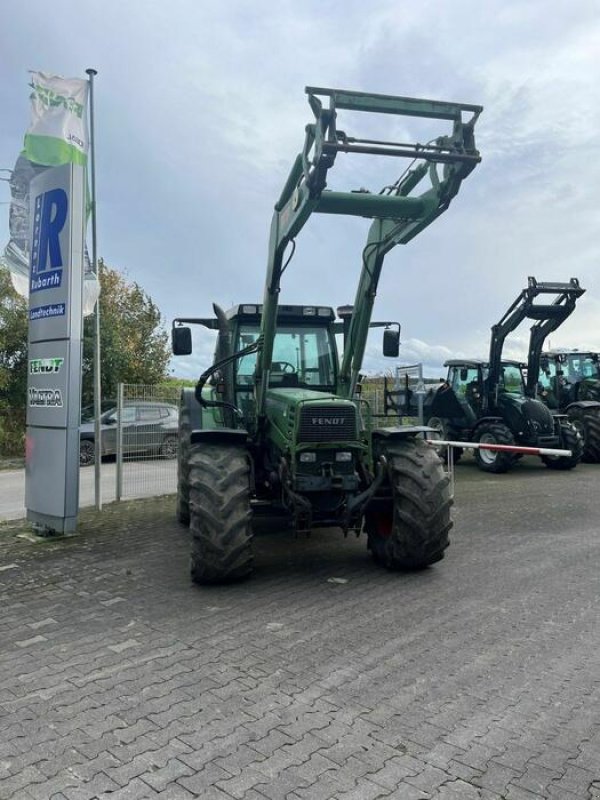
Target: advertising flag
58,134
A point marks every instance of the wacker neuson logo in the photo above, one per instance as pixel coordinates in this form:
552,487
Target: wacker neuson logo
45,398
45,366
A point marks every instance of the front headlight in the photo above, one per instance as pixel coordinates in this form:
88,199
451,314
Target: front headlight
308,458
343,456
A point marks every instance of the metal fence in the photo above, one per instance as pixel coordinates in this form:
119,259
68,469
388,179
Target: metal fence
146,440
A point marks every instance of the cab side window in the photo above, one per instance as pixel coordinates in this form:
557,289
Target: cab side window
466,384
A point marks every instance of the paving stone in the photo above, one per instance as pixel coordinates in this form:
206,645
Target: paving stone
475,679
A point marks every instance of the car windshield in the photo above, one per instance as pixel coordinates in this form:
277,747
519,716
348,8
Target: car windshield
302,356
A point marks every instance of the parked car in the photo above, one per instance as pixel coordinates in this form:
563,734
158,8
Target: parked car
149,427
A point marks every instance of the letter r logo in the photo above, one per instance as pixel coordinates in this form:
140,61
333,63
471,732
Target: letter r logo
49,220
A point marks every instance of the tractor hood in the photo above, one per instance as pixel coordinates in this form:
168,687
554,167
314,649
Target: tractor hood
531,418
308,416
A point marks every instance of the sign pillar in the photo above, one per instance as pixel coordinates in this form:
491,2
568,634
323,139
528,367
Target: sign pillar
57,231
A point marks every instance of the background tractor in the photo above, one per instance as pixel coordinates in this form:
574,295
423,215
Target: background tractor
488,401
569,383
277,422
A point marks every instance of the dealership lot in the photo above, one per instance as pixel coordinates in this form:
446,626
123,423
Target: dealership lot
321,677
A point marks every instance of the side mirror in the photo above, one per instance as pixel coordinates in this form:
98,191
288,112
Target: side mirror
181,341
464,374
391,343
545,364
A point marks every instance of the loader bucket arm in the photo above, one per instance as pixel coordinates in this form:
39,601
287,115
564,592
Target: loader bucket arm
562,307
398,215
548,315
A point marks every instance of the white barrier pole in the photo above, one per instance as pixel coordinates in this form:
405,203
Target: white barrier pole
504,448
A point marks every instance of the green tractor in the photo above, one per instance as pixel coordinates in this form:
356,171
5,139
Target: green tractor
276,424
568,381
489,402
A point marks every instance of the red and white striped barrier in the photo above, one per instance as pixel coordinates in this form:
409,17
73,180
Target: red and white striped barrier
506,448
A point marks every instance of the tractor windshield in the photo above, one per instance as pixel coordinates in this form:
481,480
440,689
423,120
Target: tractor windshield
511,379
302,356
580,366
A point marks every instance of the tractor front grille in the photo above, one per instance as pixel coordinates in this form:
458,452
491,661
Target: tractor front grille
327,424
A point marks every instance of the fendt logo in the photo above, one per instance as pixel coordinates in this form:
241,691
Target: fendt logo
328,420
45,366
50,215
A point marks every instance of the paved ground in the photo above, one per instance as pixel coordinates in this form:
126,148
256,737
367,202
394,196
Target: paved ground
321,677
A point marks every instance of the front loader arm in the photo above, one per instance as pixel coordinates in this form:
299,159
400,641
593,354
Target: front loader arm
548,315
397,216
562,307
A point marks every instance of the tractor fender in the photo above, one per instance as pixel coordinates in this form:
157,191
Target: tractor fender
585,404
220,436
401,432
485,420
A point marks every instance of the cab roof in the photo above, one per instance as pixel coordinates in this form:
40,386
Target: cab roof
309,314
477,362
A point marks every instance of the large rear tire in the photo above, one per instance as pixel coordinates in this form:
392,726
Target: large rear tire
569,440
183,467
220,514
587,423
410,531
493,460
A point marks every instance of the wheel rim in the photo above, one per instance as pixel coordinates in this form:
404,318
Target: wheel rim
438,425
488,456
170,447
86,454
579,427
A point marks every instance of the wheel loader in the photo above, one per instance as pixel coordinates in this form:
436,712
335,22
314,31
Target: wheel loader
276,422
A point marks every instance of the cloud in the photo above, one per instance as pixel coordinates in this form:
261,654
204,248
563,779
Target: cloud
201,111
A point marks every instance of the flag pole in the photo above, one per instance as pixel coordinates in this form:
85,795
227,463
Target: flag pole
97,376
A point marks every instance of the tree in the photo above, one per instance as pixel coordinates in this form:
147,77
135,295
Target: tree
134,348
13,366
134,345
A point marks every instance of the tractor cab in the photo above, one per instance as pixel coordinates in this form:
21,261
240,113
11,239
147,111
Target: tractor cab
567,377
465,397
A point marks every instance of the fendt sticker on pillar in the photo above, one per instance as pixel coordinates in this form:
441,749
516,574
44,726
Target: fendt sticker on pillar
50,216
45,366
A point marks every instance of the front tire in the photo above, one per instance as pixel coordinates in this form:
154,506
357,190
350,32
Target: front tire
409,531
569,440
494,461
587,423
220,514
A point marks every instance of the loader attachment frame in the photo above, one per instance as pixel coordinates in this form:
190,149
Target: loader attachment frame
397,214
548,316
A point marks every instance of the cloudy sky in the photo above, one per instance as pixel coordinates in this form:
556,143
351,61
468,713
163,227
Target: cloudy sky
200,110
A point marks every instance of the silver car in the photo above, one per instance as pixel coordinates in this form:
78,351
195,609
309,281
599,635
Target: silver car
149,427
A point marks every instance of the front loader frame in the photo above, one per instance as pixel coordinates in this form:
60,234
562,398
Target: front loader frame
397,215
